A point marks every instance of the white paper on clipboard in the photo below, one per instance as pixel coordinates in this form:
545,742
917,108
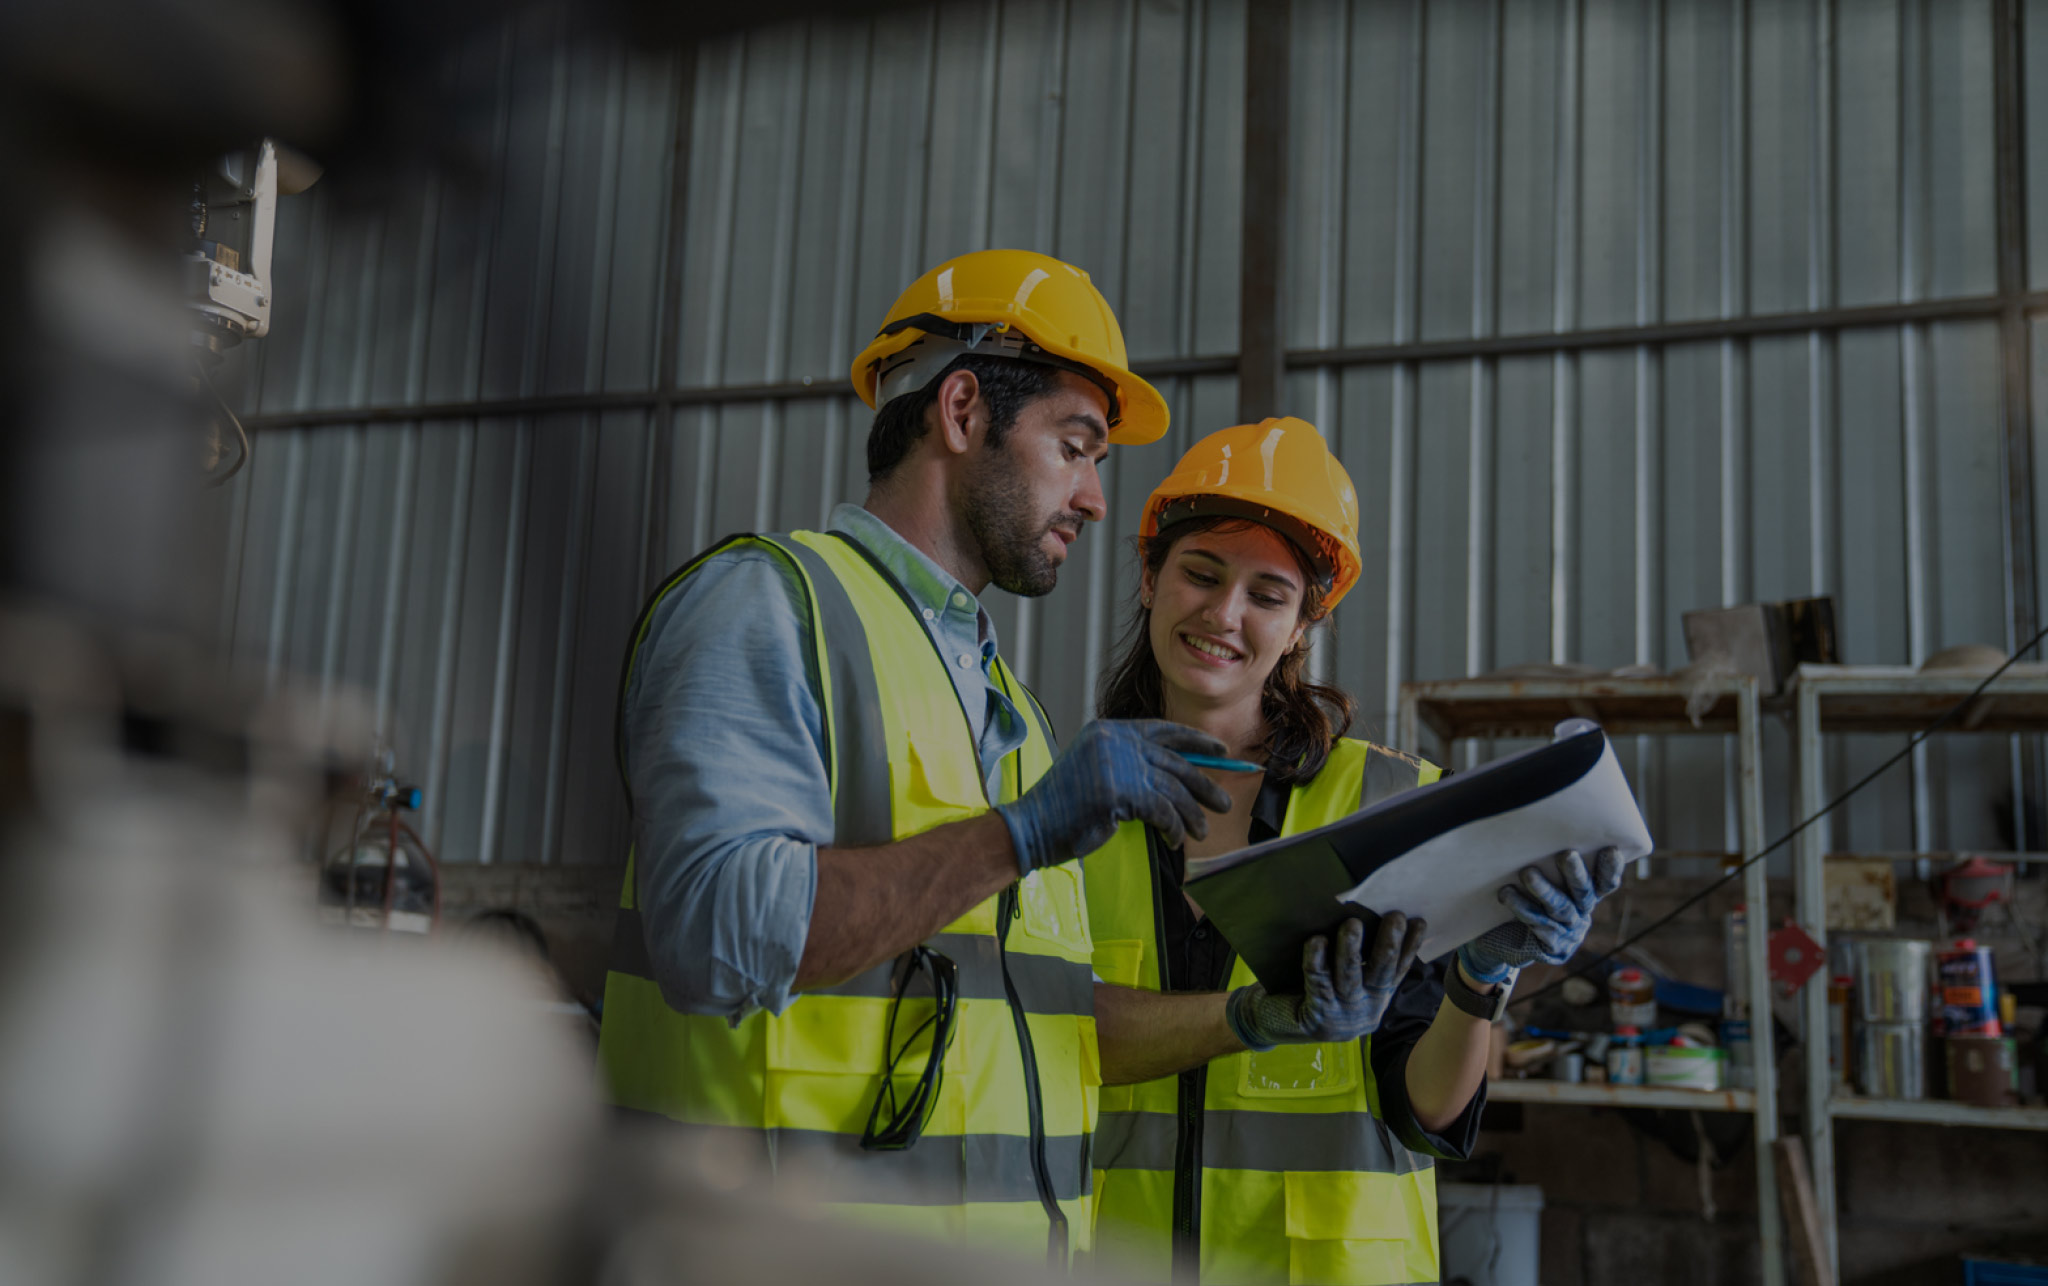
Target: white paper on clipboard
1453,880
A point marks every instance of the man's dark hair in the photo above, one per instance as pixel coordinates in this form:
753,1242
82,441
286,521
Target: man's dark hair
1007,387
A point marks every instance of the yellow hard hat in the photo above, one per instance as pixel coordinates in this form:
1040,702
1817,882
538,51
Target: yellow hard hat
1277,472
1016,304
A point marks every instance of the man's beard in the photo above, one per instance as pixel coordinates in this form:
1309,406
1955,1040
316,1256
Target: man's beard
1010,532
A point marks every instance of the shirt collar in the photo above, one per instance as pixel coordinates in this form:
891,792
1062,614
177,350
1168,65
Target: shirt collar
931,588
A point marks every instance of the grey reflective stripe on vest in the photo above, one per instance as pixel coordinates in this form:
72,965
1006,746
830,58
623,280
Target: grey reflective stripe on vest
1387,773
942,1170
1275,1142
862,802
1054,986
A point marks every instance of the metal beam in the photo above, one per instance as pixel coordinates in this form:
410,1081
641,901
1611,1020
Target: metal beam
1262,332
1718,328
1969,307
2023,609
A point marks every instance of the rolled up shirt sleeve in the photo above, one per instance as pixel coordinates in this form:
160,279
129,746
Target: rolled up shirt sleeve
724,749
1414,1008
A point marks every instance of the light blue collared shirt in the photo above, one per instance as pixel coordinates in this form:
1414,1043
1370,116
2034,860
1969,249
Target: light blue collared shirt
725,754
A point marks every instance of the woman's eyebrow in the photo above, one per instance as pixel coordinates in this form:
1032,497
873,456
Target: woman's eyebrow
1280,578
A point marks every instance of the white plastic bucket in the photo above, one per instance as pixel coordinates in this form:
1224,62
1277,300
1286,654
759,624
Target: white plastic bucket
1490,1234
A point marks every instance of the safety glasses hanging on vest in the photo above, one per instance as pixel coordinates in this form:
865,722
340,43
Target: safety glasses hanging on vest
907,1119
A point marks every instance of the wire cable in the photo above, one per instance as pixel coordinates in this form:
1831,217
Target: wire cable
220,479
1760,924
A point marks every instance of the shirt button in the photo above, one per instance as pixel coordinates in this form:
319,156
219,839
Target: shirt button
1202,931
966,660
930,615
959,600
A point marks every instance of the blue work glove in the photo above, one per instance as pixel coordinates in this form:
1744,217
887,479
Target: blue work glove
1339,1006
1115,771
1550,922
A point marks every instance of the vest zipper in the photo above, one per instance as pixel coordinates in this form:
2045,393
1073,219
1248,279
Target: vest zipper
1007,908
1187,1178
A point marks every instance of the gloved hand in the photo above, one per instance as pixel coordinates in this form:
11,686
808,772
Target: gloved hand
1550,922
1115,771
1336,1006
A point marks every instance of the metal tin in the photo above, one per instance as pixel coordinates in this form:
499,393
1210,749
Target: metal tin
1891,979
1891,1060
1624,1064
1984,1070
1570,1068
1969,991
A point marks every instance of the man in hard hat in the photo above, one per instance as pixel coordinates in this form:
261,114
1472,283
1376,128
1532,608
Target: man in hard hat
853,940
842,795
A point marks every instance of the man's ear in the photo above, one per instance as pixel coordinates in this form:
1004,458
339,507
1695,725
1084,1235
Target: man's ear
959,410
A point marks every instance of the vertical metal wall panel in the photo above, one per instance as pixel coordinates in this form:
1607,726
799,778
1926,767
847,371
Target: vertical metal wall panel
1779,114
1869,47
2034,71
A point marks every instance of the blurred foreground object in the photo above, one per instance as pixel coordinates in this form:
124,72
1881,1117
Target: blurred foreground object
201,1084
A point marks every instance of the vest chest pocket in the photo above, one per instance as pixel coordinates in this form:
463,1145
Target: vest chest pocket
1301,1071
1052,907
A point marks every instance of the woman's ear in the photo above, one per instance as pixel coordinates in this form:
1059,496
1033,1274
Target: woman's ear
1297,644
1146,580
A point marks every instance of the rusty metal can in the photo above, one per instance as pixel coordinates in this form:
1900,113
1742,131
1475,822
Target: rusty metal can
1984,1070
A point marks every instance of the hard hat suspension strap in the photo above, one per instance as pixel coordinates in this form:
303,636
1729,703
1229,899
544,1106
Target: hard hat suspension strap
911,369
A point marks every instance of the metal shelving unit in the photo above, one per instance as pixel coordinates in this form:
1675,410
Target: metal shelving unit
1453,709
1881,699
1621,1096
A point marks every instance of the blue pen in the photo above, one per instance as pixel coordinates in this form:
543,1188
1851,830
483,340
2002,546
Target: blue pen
1222,765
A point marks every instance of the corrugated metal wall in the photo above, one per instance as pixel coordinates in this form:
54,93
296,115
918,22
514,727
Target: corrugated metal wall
1460,168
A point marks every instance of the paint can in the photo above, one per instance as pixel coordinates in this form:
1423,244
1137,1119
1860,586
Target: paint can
1631,998
1891,979
1625,1058
1984,1070
1969,991
1891,1060
1569,1067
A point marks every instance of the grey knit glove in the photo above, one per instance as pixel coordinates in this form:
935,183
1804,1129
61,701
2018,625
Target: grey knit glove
1336,1005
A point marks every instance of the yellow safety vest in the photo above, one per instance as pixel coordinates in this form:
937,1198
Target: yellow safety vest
1292,1175
1003,1161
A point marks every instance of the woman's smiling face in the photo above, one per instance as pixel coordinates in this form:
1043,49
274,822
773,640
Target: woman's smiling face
1226,607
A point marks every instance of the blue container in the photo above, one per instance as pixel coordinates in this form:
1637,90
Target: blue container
1967,990
2003,1272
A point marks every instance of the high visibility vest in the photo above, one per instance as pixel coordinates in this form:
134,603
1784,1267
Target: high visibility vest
1291,1173
1003,1161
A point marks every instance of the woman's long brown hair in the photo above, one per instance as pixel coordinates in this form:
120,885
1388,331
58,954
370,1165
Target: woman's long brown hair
1303,718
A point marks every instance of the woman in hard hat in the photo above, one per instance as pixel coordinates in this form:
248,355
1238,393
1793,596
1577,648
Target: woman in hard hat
1285,1162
